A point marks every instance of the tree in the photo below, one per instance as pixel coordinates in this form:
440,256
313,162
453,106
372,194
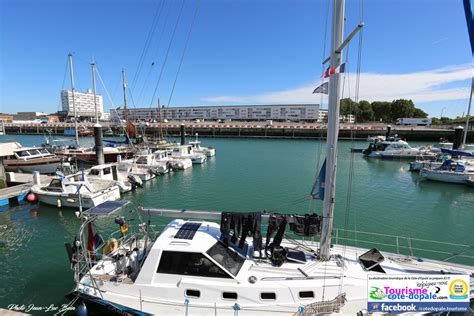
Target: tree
365,112
420,113
402,108
382,111
348,107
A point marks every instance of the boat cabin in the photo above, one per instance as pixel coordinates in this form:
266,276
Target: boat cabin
32,153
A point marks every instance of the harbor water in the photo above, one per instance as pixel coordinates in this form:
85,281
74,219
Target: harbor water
245,175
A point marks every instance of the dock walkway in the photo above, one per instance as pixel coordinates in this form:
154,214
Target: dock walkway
20,185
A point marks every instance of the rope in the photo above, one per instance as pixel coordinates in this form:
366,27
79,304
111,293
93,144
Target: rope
184,50
167,52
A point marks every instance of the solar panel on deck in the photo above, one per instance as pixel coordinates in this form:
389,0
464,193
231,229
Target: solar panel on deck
107,207
187,231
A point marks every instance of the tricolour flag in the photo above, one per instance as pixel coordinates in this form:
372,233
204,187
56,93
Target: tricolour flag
331,71
323,88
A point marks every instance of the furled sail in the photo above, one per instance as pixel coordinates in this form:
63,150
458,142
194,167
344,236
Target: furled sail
318,189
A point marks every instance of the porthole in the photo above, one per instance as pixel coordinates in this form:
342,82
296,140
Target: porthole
268,296
193,293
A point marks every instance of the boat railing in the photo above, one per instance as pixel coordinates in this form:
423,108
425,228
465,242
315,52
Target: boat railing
402,245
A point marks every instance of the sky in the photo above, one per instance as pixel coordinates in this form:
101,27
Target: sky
238,52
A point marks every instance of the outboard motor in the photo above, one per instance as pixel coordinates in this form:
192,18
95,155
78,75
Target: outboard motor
135,181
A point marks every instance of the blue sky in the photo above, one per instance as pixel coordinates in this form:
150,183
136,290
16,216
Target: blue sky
240,51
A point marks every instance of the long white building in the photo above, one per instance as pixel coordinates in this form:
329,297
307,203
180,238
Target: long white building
292,112
84,103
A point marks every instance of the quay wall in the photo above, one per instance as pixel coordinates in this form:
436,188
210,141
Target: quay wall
256,130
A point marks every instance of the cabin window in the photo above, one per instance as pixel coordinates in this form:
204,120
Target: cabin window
229,295
95,172
226,257
267,296
189,263
23,154
106,171
306,294
44,151
35,152
193,293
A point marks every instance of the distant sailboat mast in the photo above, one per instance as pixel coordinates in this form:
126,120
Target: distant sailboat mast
71,68
124,88
93,89
470,29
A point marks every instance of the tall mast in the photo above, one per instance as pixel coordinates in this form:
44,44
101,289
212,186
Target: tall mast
93,89
467,117
333,128
71,68
124,87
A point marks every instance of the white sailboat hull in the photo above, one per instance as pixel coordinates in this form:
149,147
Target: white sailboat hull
72,200
445,176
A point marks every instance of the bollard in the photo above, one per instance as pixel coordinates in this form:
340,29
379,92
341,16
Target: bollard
182,135
10,177
36,178
458,133
99,145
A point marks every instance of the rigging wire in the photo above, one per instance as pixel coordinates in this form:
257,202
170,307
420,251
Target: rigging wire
155,57
184,50
167,52
64,82
148,41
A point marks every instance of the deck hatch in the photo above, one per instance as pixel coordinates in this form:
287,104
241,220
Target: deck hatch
187,231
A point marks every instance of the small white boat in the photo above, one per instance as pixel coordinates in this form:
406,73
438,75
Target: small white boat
450,171
186,152
198,149
76,191
397,150
125,181
30,159
147,166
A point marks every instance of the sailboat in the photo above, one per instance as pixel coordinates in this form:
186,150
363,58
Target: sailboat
200,267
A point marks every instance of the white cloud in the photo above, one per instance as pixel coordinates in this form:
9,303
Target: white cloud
421,87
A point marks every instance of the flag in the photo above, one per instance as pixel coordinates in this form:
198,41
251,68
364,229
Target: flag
331,71
318,190
323,88
94,239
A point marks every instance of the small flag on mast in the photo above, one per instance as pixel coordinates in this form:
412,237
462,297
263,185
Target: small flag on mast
331,71
323,88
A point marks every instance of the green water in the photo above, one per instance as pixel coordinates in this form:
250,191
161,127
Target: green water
246,175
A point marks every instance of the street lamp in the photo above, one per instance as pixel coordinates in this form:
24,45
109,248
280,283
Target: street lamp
442,110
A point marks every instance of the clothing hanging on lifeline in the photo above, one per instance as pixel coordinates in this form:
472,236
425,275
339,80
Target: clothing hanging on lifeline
243,225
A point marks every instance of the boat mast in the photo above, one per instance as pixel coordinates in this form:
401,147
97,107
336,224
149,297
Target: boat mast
467,117
93,89
124,87
333,128
71,72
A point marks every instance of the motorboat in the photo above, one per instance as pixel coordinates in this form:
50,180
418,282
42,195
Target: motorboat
397,150
195,267
452,171
186,152
122,178
198,149
30,159
147,165
76,191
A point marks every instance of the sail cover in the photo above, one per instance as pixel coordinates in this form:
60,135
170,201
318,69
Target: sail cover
470,22
318,189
